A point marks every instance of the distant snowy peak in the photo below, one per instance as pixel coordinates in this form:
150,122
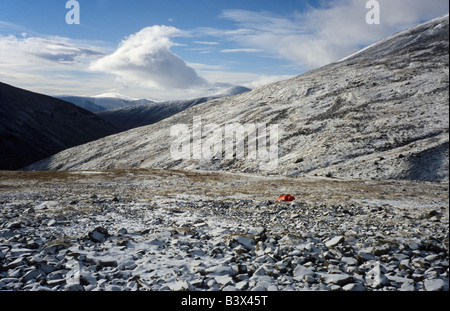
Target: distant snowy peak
114,101
145,113
115,95
104,102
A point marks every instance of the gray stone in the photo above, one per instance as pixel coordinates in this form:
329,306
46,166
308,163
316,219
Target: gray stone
15,252
335,288
300,272
381,250
86,278
51,223
337,279
106,262
260,271
46,268
14,225
407,287
224,280
122,232
350,261
257,232
55,275
242,277
264,284
364,256
334,241
376,278
242,285
220,270
156,242
230,288
179,286
413,245
354,287
21,261
55,282
212,284
98,235
10,280
32,275
309,279
404,264
435,285
258,288
432,257
246,242
417,277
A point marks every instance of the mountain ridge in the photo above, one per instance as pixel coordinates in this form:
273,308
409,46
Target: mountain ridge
137,115
100,103
113,101
381,113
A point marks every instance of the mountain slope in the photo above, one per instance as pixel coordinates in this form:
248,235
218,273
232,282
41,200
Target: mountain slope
380,113
130,117
35,126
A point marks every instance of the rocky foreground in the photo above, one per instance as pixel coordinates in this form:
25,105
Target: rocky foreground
127,230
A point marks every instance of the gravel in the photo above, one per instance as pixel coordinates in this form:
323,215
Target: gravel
107,243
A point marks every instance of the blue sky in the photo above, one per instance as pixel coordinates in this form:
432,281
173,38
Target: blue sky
167,49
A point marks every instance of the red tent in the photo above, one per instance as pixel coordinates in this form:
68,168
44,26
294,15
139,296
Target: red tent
286,197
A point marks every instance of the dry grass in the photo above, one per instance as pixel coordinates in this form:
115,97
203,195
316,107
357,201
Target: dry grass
149,184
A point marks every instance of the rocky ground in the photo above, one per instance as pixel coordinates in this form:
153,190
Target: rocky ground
179,230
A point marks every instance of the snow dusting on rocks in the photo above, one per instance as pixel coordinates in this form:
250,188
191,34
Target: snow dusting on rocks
96,234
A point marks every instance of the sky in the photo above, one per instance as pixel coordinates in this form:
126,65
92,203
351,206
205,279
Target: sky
167,49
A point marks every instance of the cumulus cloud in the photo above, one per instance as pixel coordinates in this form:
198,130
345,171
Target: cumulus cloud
322,35
145,58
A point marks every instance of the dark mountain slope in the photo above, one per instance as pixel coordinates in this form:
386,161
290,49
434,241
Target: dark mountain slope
35,126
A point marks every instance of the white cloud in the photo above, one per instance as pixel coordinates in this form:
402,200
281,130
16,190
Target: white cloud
224,79
319,36
207,42
29,52
143,65
6,26
241,51
50,65
145,58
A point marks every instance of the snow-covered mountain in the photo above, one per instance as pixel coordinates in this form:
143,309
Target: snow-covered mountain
381,113
35,126
103,102
137,115
112,101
